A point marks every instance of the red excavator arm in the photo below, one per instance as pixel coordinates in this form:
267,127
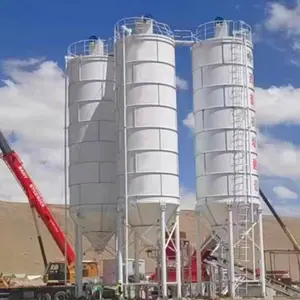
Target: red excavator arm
35,198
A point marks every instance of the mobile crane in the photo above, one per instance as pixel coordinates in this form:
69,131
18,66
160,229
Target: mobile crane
54,273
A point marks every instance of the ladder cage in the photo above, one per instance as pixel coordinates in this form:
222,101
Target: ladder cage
240,115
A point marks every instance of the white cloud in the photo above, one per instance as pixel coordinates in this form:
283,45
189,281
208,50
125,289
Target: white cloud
282,18
181,83
278,105
288,210
32,105
285,22
284,193
278,158
189,121
187,199
256,33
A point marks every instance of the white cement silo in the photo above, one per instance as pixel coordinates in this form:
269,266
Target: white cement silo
225,133
148,158
152,139
91,140
224,126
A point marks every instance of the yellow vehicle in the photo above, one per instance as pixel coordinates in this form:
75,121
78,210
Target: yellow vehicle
55,272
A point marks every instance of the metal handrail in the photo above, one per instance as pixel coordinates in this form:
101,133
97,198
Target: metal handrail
184,37
132,26
237,29
83,48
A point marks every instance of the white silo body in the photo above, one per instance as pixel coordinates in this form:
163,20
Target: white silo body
151,117
91,140
224,114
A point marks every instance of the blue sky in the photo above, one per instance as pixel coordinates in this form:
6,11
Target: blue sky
43,29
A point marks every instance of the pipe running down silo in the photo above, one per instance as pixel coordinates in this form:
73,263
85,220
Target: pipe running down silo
227,185
147,135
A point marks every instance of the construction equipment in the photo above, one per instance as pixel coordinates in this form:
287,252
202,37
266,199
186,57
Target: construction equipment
54,270
189,273
36,201
285,229
282,225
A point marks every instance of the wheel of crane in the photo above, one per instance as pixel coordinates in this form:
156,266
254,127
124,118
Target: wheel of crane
60,295
44,296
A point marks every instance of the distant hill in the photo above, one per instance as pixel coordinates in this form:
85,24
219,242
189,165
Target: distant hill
20,253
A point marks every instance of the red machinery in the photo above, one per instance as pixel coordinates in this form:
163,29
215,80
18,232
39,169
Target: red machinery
36,201
189,272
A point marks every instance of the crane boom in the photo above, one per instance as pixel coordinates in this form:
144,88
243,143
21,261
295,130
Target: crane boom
35,198
282,225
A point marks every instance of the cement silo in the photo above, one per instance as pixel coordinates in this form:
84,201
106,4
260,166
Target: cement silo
225,136
91,139
147,128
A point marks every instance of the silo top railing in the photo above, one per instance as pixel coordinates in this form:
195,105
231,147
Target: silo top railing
131,26
134,25
87,48
237,29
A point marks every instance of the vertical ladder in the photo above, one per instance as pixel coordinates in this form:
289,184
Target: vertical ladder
240,159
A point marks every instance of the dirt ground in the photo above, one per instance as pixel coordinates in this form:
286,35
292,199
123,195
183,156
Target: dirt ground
20,253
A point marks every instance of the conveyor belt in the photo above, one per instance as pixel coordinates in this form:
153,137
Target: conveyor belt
272,283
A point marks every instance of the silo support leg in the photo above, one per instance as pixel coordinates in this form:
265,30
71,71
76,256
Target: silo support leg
119,246
198,254
78,261
178,253
231,255
262,257
163,252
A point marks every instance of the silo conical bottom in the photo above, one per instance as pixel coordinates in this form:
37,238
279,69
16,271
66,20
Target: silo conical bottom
217,216
148,235
98,240
97,224
144,218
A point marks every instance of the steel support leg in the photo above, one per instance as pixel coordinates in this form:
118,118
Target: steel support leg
198,255
163,253
120,243
231,254
262,255
178,253
78,261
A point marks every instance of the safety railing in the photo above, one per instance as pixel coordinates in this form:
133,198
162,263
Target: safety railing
91,47
141,25
223,28
184,36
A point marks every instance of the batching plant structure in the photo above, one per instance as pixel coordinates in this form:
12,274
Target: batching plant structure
91,139
147,135
225,149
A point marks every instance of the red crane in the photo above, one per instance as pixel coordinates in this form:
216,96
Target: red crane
36,201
